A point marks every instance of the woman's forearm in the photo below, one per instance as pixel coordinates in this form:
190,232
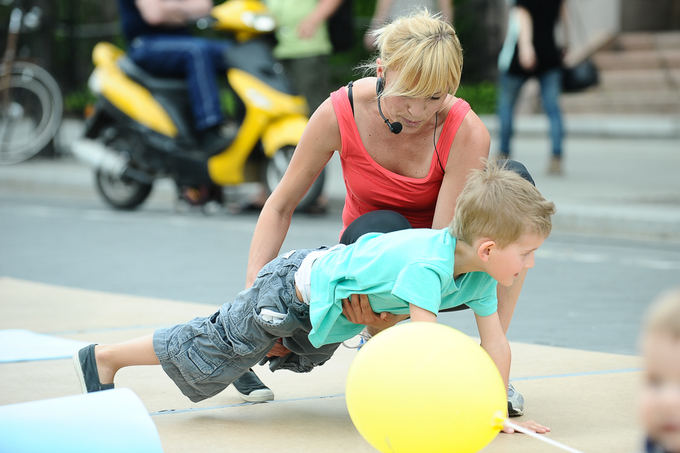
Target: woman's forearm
268,237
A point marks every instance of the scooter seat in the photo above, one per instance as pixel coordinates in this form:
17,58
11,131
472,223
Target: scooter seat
152,82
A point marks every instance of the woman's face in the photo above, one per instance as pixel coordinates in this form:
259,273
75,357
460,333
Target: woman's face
413,113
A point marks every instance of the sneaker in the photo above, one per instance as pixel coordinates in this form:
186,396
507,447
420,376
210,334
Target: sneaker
251,388
364,336
515,402
86,370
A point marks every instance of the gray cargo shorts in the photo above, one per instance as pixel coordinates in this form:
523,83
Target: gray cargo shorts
205,355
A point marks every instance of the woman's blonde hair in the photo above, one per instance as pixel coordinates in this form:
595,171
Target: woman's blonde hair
501,205
425,50
664,315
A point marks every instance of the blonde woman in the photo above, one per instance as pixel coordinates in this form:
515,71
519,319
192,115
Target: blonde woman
406,144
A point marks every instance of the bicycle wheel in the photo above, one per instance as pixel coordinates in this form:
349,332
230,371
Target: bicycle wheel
30,112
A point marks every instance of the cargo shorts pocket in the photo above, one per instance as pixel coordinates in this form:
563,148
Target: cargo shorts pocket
197,367
275,323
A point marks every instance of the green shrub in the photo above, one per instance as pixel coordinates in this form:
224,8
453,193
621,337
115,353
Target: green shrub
481,96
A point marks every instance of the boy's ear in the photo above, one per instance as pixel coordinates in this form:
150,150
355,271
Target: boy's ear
484,249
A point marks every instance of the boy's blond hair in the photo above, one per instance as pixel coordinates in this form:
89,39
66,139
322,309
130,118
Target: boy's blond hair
501,205
664,315
425,50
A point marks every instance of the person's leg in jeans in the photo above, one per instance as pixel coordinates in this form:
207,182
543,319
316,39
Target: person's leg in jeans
551,86
509,89
196,59
383,221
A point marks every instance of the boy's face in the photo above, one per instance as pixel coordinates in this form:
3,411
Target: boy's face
660,398
505,264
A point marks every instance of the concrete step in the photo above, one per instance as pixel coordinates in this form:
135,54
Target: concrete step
639,79
645,41
631,102
637,59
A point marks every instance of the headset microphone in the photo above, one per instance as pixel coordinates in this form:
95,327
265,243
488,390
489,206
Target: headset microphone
395,127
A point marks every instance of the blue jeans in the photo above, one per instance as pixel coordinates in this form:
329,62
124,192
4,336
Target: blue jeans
196,59
510,86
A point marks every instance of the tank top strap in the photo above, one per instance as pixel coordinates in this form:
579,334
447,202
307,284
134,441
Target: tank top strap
453,121
344,113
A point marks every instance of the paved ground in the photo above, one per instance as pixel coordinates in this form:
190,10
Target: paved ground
619,183
585,397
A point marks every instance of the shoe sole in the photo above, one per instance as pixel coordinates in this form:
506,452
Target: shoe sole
513,412
257,396
79,372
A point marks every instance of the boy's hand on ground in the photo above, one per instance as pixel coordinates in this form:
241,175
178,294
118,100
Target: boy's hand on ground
529,424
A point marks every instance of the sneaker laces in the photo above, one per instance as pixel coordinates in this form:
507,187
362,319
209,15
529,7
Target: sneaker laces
364,336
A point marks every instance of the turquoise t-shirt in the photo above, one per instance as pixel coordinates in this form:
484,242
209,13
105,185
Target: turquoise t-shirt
394,269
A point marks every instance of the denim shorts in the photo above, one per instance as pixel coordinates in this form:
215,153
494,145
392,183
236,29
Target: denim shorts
205,355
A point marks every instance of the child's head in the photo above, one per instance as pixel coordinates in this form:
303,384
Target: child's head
660,397
504,218
424,51
501,205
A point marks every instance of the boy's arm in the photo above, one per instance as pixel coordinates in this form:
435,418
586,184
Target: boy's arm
495,343
420,314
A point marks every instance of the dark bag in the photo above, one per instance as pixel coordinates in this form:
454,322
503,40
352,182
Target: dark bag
579,77
341,27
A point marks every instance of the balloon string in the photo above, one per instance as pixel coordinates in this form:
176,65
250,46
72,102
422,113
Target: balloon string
530,433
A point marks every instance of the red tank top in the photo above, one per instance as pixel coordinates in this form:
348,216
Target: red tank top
371,187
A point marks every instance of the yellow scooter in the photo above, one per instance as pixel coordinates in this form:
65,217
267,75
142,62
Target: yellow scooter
141,128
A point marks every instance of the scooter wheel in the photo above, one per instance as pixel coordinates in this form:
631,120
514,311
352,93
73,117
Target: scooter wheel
121,193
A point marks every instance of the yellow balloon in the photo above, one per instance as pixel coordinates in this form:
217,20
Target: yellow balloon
425,387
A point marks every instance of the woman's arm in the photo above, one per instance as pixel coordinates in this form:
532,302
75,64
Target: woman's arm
323,10
317,144
467,152
446,7
525,42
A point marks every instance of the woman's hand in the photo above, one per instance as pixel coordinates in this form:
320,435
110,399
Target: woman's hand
527,57
357,309
279,350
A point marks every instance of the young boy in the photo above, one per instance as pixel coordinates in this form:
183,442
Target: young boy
500,221
660,398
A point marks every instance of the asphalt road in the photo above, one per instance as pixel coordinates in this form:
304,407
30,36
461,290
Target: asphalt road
585,292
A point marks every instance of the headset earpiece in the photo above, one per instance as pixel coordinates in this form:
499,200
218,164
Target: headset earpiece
379,86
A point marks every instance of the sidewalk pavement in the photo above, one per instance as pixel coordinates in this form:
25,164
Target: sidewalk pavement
620,173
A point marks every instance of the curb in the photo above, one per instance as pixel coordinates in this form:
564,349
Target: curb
600,126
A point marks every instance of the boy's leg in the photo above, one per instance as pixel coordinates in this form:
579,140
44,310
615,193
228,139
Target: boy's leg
96,365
